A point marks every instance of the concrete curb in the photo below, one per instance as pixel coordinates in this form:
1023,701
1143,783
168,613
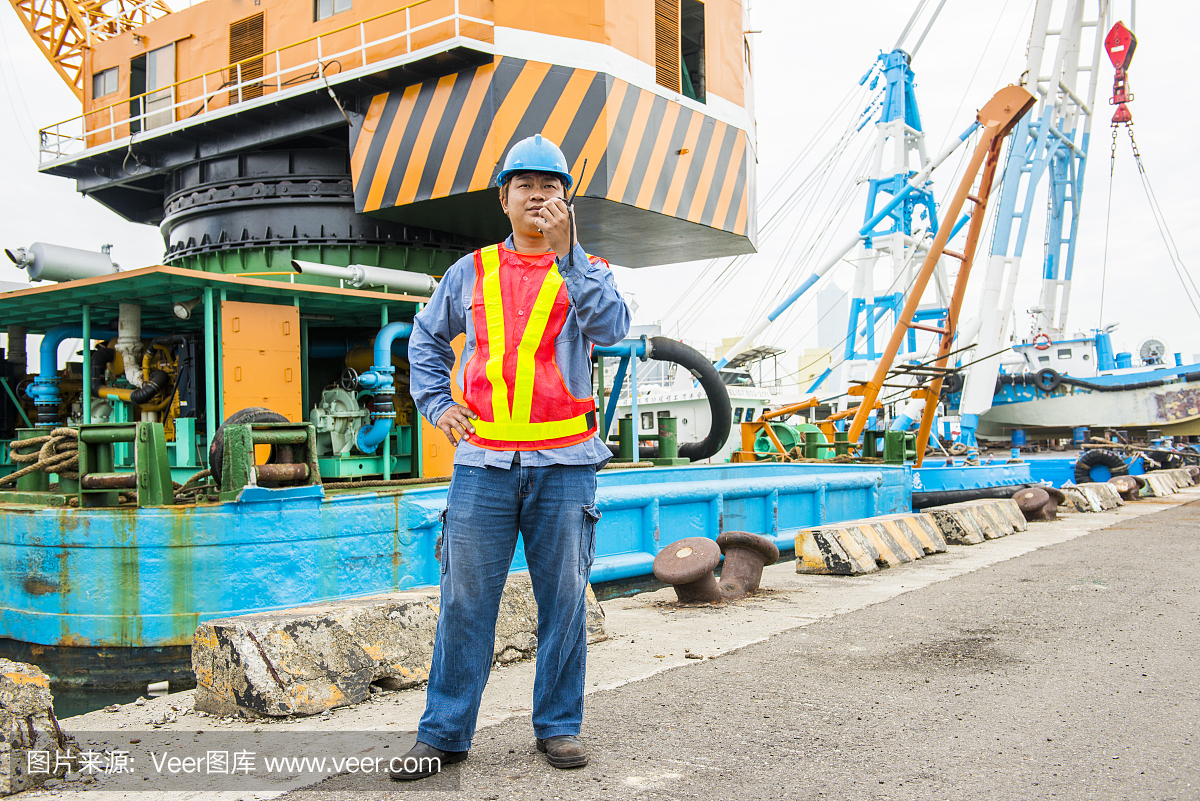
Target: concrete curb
972,522
307,660
864,546
1161,483
1091,497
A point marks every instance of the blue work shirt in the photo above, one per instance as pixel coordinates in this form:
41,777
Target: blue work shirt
597,315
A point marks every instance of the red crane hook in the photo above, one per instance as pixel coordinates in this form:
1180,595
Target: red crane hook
1120,44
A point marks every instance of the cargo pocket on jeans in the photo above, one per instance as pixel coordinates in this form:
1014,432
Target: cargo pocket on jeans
440,551
587,539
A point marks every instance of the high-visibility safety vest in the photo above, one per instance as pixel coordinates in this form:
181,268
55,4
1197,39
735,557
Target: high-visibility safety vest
512,380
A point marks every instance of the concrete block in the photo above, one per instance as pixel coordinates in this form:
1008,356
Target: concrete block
864,546
1167,482
306,660
1092,497
972,522
27,724
1160,484
1078,501
1006,508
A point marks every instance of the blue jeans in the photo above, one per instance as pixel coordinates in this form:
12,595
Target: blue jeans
554,509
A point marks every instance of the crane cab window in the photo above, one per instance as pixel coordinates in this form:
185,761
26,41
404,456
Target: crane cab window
105,82
691,47
323,9
679,47
151,89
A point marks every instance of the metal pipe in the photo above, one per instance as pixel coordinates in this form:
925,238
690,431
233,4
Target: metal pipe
87,364
114,393
129,341
44,262
267,436
44,390
110,481
387,441
282,472
210,370
379,379
16,348
359,275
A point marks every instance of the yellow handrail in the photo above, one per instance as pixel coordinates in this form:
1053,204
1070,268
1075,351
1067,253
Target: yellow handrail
236,64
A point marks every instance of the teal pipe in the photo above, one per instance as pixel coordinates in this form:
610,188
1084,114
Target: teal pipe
379,380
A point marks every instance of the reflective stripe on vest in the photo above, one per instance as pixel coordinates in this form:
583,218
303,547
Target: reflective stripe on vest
516,426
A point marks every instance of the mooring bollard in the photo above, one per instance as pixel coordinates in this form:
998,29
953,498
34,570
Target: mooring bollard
1036,503
1127,487
746,555
688,566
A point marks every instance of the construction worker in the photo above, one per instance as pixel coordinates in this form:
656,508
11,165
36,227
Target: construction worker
526,454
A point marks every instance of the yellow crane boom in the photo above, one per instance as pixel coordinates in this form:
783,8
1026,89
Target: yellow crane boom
65,29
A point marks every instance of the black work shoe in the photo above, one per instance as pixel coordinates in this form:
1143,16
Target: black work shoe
564,751
423,761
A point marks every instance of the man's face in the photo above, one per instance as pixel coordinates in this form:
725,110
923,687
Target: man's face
522,198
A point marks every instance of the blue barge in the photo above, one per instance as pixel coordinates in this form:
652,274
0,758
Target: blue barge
146,577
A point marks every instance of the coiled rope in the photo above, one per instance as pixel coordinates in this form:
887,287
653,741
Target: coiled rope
58,452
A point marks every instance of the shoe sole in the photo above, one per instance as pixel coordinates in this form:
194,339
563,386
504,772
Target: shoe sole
400,776
564,762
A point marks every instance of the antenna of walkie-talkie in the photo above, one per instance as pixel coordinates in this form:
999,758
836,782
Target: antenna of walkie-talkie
571,212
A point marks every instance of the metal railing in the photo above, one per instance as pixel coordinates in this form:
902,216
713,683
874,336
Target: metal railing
244,82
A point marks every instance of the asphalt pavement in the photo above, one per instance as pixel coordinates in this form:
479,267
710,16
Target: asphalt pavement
1069,672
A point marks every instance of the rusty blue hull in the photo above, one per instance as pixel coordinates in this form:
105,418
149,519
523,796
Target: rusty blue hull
129,578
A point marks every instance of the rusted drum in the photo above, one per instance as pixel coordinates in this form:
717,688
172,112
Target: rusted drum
688,566
746,555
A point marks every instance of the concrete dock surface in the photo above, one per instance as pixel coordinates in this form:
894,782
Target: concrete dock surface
1060,662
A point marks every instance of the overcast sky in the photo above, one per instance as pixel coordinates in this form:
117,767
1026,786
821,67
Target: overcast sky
808,56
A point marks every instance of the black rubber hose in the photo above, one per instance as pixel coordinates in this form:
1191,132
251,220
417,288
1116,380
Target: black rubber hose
101,357
156,383
668,350
923,500
1076,382
1024,379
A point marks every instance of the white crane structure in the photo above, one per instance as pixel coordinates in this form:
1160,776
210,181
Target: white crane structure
1050,143
899,221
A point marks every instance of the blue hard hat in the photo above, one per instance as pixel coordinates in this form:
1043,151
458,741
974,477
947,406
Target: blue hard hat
535,154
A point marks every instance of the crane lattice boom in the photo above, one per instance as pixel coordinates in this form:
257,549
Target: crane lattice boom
64,29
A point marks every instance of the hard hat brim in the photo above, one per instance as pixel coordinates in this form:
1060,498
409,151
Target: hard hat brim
504,175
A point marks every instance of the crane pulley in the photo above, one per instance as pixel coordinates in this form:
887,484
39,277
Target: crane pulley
1120,44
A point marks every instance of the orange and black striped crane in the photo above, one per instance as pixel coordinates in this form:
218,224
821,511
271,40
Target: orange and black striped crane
362,131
